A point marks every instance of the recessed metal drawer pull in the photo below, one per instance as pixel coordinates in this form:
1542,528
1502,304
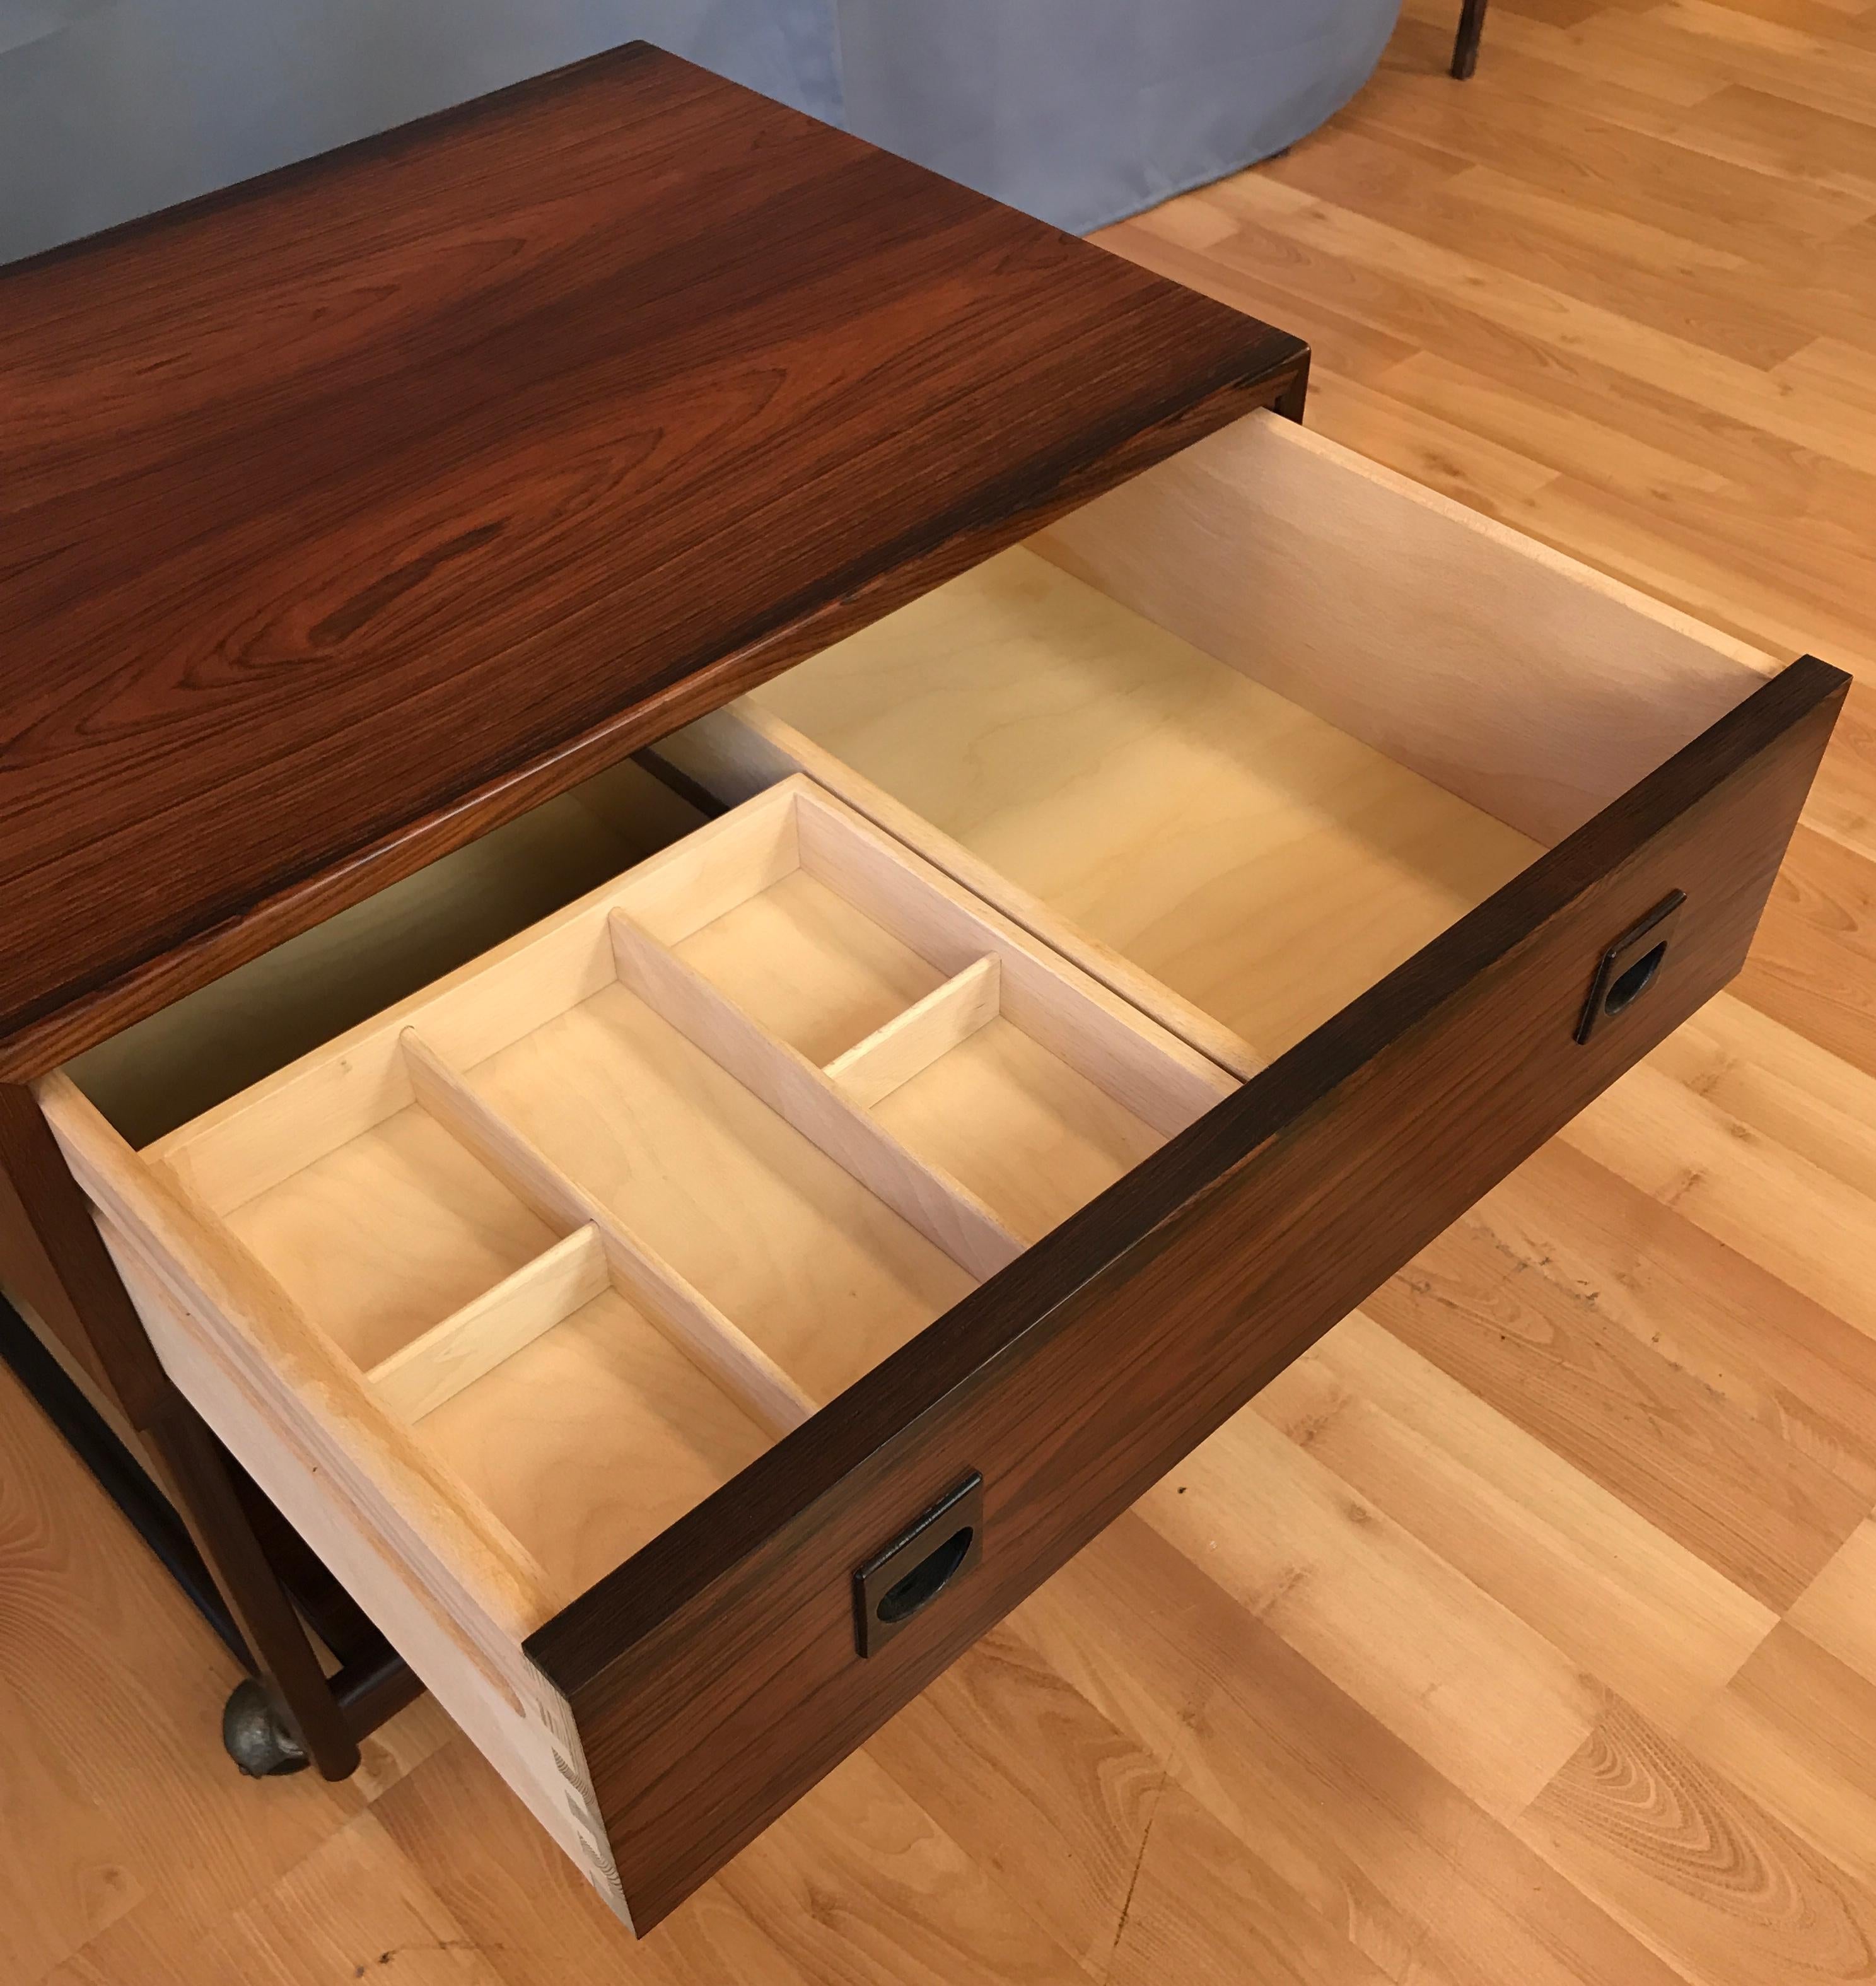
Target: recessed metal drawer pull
1631,966
899,1582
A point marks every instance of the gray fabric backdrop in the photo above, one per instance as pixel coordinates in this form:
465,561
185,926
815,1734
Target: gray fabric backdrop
1077,110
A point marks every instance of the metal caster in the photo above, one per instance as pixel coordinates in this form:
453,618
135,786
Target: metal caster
256,1736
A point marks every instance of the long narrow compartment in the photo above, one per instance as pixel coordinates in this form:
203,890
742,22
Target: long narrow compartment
1264,864
619,1201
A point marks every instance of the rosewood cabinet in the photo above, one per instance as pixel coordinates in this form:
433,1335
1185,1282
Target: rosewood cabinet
734,884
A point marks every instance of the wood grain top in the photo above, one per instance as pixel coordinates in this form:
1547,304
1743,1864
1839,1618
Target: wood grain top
349,511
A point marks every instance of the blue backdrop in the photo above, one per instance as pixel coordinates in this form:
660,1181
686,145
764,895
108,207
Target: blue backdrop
1077,110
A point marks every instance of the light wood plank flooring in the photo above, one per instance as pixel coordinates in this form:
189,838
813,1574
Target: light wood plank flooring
1524,1633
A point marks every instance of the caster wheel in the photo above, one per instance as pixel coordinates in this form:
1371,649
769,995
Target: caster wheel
256,1736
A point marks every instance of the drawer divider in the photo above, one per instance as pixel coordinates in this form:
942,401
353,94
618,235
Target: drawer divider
943,1210
694,1324
911,1042
744,749
1117,1048
420,1376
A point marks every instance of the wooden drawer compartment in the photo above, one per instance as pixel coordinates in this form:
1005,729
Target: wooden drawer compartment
1179,921
523,1268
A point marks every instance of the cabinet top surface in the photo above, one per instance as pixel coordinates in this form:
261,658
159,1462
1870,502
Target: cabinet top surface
343,512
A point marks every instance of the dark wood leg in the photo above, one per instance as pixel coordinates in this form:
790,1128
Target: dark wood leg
51,1253
1465,49
283,1653
1290,402
53,1261
372,1682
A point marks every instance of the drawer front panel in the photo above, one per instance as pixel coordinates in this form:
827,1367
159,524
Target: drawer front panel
716,1675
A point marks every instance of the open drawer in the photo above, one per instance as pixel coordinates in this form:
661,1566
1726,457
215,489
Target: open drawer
685,1327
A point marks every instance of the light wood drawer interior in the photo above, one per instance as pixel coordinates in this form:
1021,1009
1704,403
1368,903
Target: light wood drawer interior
623,1201
489,1290
488,1284
1259,724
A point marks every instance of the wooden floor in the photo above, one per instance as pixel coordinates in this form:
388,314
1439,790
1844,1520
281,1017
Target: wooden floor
1526,1633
